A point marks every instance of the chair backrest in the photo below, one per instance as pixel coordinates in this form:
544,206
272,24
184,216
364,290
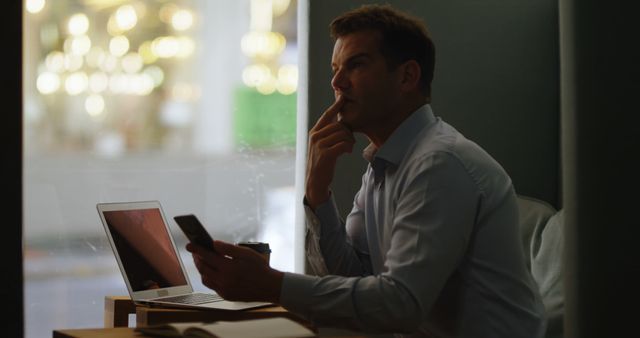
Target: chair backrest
542,229
547,250
534,214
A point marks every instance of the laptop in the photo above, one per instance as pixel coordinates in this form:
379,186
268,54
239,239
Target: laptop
149,261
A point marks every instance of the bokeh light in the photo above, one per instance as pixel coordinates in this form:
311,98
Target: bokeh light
78,24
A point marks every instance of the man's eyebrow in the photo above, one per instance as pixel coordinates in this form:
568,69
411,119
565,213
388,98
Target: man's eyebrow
353,58
358,56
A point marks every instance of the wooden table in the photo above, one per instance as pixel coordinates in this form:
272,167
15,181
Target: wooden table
127,332
114,332
118,308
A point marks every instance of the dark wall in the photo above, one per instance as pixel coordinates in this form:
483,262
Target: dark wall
600,143
496,81
11,291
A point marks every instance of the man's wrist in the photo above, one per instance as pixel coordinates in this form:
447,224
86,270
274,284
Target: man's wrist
316,200
276,286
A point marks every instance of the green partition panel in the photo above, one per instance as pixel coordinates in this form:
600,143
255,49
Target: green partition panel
264,120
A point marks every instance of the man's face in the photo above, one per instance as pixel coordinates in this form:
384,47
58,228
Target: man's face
361,76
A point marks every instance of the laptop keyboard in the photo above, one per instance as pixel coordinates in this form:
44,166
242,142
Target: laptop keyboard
193,298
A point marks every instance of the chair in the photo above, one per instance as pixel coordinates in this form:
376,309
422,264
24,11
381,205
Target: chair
543,241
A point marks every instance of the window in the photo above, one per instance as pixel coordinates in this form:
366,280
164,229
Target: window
192,103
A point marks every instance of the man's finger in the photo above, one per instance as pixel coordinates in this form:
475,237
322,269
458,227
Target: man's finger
331,113
329,140
199,250
331,130
235,251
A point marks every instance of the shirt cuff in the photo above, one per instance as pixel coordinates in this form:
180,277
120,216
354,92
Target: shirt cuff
325,217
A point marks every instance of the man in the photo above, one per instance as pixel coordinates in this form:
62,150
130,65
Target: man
431,247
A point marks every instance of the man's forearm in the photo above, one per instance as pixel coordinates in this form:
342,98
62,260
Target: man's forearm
328,239
314,198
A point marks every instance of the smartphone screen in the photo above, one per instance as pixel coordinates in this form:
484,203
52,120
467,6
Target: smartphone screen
195,231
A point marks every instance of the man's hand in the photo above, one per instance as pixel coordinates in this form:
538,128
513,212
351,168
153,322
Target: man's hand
328,139
237,273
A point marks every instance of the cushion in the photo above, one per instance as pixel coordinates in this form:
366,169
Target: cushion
534,214
547,252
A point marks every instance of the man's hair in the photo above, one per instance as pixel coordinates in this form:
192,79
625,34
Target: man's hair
403,37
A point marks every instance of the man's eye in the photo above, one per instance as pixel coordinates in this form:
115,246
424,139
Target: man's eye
356,64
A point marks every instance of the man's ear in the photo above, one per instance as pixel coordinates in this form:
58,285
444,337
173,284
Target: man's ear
410,74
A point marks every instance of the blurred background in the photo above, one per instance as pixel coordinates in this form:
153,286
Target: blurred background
192,103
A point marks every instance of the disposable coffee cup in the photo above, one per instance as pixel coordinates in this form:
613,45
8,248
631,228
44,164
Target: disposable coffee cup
260,247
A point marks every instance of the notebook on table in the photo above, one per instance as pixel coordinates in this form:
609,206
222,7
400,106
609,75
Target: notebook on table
149,260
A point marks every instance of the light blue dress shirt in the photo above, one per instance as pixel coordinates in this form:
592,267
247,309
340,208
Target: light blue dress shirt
431,247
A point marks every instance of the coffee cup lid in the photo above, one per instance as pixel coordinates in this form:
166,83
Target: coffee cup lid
257,246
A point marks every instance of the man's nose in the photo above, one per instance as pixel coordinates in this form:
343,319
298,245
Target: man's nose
339,82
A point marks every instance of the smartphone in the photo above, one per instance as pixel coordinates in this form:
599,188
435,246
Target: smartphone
195,231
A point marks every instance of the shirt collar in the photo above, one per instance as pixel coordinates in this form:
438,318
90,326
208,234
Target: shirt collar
396,146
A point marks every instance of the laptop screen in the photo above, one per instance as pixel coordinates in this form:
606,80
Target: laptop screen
145,248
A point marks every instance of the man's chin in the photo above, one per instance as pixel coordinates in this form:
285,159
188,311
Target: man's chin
346,124
344,121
